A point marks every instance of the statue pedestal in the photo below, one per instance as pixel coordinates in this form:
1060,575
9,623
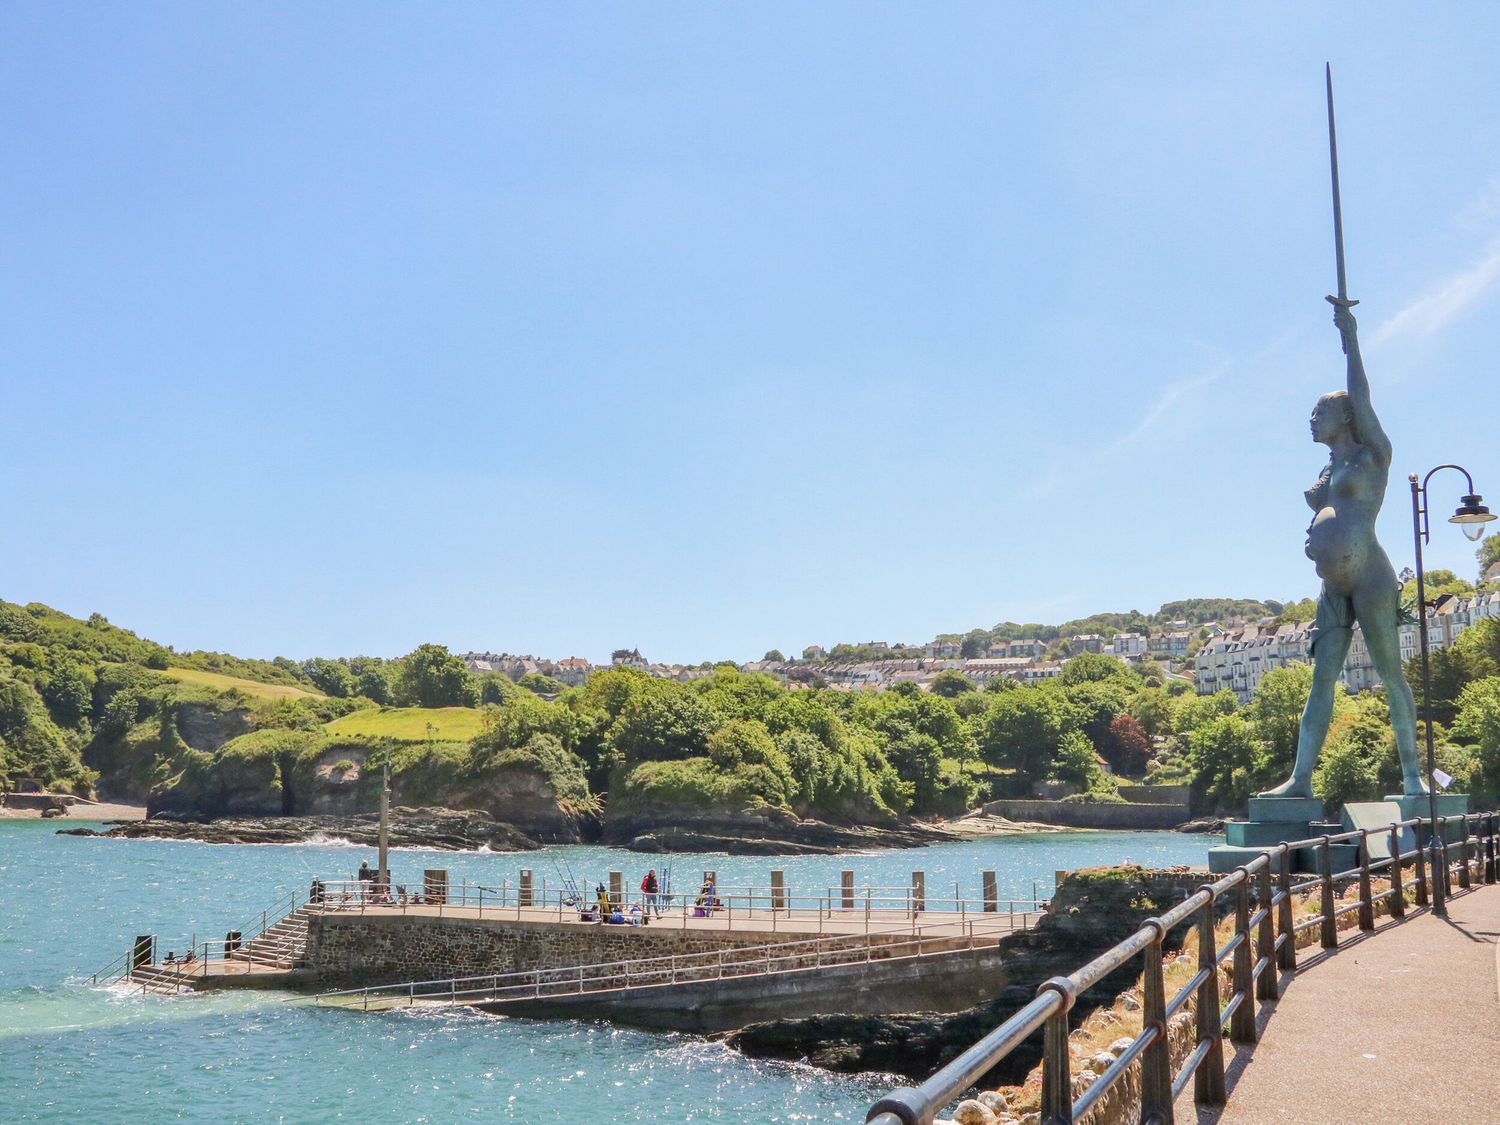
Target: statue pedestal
1272,820
1448,804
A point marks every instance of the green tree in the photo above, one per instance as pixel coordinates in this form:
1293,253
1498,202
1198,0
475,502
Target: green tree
774,655
662,721
975,643
34,746
1023,729
1487,555
539,684
1222,753
1091,667
1077,762
331,677
1276,713
1478,723
374,685
950,684
69,692
1346,772
433,677
1152,708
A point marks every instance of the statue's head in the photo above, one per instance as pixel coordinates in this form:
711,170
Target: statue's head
1331,417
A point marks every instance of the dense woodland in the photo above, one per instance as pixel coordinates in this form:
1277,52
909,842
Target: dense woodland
90,707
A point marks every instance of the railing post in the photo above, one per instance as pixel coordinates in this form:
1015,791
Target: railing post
1442,887
1265,988
1491,825
1284,921
1366,900
1486,848
1330,927
1463,853
1242,1023
1398,896
1421,898
1208,1079
1156,1060
1057,1079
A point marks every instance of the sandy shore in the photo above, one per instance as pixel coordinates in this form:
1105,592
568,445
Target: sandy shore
81,810
978,824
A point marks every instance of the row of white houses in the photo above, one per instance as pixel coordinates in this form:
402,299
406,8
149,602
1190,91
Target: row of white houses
1238,659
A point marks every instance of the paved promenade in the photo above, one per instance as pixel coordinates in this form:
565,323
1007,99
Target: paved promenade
1401,1025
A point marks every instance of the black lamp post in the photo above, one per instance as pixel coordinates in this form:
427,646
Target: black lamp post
1472,516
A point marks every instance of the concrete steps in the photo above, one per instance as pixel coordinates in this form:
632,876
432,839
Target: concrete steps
162,979
283,945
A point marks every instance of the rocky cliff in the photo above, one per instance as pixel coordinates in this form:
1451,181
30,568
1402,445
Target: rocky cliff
1092,910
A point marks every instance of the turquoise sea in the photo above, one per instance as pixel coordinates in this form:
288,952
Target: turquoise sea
70,1052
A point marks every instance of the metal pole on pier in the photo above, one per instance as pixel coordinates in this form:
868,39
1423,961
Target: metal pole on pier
384,875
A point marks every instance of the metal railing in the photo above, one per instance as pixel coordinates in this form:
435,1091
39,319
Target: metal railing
754,907
203,958
1261,896
646,972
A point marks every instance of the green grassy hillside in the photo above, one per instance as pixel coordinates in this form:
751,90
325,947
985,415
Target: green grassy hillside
411,724
220,682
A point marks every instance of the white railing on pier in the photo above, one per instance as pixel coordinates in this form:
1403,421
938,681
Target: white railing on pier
749,907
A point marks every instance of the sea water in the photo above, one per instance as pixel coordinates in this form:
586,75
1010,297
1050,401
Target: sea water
70,1051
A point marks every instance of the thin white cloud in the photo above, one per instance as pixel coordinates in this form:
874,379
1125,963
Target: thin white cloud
1168,398
1445,302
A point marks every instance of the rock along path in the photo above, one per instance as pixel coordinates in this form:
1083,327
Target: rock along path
1400,1026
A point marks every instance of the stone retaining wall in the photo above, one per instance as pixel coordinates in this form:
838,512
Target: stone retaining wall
356,950
1132,816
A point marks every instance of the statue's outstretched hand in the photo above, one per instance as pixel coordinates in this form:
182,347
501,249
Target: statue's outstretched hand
1343,318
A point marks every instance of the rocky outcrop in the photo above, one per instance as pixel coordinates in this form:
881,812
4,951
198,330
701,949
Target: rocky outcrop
207,727
1092,910
521,794
444,829
768,831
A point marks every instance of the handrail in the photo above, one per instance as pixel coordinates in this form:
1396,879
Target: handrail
284,907
1266,923
779,907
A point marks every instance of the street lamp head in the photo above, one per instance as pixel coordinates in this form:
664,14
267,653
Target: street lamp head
1472,516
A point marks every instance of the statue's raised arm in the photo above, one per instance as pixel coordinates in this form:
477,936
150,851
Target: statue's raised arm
1366,426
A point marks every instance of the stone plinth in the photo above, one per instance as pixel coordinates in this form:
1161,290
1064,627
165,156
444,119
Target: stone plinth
1272,820
1448,804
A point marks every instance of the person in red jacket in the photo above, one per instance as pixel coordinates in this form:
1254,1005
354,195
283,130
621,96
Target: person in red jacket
652,890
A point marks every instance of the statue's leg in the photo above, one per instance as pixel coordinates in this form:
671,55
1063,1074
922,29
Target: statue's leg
1378,621
1328,662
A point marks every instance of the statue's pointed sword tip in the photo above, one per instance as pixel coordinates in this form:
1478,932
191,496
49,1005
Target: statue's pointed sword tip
1338,215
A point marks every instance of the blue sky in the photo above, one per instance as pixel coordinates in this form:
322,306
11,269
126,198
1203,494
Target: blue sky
706,328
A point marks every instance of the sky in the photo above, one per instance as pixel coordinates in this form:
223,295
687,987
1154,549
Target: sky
336,329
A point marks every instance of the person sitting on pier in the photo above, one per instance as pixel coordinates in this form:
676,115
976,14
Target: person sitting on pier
189,958
602,896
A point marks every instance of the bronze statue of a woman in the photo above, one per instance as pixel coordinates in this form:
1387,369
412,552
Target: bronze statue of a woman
1359,584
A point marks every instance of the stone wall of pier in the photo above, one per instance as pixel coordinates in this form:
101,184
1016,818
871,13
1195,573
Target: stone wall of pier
355,950
1123,816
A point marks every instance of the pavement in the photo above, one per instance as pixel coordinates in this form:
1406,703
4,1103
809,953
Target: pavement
1399,1025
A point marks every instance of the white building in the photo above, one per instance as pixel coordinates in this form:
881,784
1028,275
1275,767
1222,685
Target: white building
1239,658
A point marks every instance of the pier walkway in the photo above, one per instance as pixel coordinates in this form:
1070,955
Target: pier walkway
275,956
1399,1025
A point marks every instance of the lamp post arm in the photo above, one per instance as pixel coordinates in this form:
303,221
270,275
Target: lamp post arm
1419,507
